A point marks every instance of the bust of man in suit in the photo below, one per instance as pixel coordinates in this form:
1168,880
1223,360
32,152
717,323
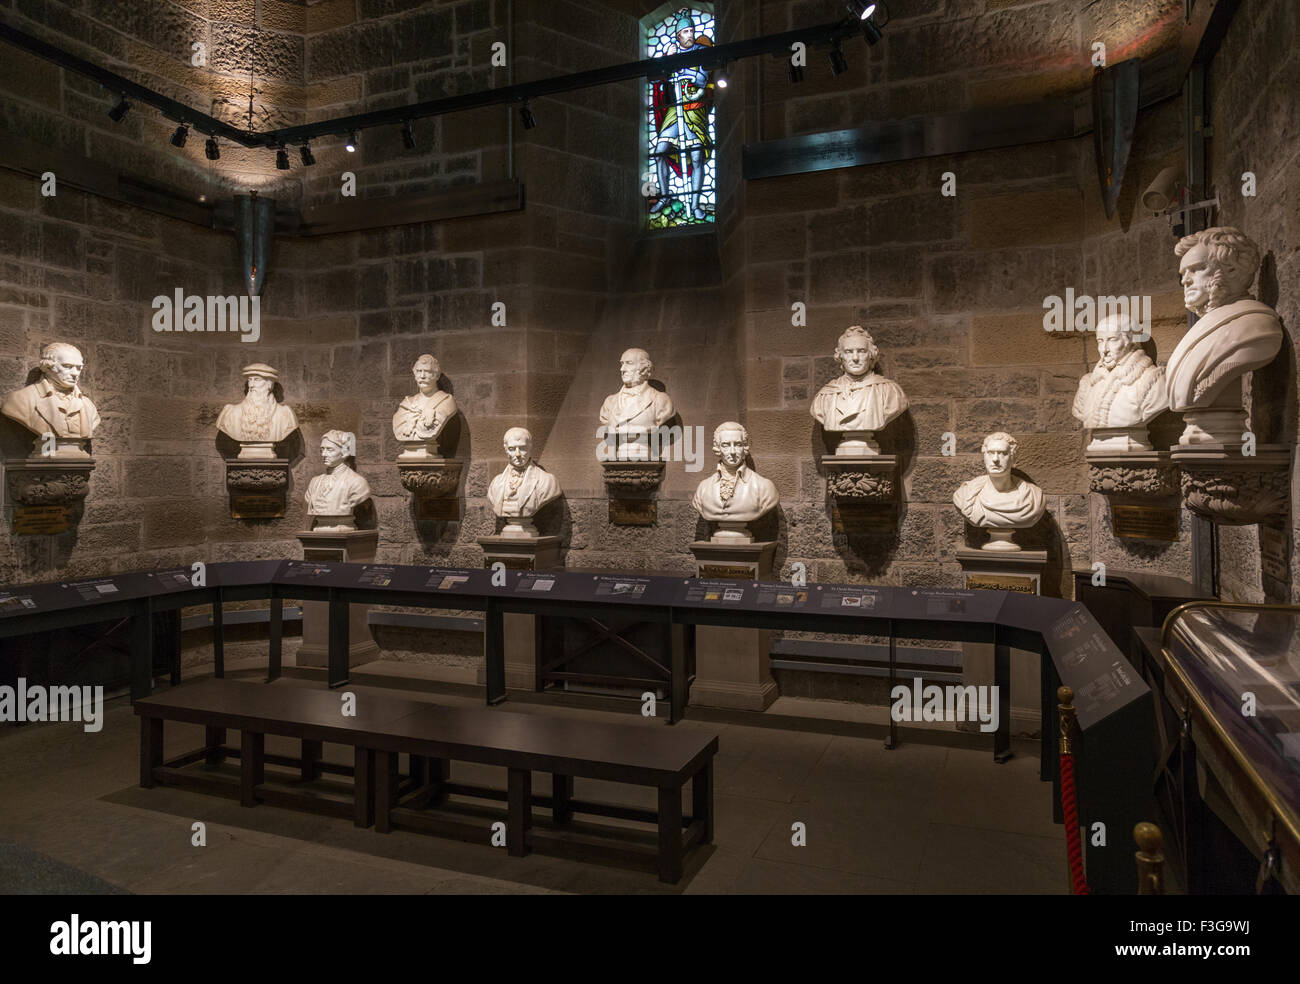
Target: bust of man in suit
630,415
861,401
421,417
523,488
54,404
333,495
734,495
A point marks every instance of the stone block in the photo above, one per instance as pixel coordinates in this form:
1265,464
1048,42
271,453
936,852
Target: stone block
155,476
1018,338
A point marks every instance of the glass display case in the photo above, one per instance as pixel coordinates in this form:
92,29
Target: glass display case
1237,670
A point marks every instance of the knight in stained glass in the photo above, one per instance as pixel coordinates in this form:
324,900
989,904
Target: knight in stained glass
681,124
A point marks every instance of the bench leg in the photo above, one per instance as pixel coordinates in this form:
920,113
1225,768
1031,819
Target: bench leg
437,771
702,800
363,792
213,739
519,816
417,770
561,798
252,766
670,834
312,752
385,789
151,749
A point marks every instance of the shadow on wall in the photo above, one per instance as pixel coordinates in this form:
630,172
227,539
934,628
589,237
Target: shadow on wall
1273,397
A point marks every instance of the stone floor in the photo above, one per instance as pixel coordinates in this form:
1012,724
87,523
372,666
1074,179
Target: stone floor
924,818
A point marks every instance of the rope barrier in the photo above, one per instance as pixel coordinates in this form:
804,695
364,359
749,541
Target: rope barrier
1069,802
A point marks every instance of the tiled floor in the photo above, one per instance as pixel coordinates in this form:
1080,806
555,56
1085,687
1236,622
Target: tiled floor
922,818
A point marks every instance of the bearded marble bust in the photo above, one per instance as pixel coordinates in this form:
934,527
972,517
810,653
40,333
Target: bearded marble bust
333,495
55,404
629,416
1123,393
735,495
260,421
998,501
523,488
1234,335
421,417
861,401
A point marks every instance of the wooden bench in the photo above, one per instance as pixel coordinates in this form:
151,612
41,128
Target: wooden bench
433,737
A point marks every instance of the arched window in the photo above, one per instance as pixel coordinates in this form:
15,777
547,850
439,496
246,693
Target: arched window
680,133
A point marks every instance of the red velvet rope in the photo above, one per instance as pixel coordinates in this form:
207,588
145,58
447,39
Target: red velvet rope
1074,848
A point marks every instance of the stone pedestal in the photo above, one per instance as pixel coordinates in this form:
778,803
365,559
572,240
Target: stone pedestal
864,491
257,487
631,486
343,547
537,553
46,492
1235,489
1142,489
432,482
1022,571
732,665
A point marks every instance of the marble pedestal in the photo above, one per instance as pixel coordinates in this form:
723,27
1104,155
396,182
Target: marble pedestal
46,492
1235,489
1020,570
863,491
533,553
341,547
257,486
732,665
631,486
1142,489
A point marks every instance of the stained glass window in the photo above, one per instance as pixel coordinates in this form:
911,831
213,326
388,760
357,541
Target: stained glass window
679,136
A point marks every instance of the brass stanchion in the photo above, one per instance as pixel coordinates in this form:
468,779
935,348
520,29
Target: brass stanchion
1150,859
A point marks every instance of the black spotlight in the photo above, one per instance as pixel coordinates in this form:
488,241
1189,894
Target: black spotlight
308,158
408,136
526,115
180,136
839,64
870,31
351,145
117,112
210,149
282,160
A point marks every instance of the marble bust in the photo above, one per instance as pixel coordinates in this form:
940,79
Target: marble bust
998,501
861,401
55,404
629,416
421,417
523,488
1234,334
259,421
735,495
333,495
1123,392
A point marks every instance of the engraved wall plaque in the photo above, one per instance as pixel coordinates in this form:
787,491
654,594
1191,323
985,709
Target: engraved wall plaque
257,506
855,517
33,520
1022,583
633,512
1132,521
437,510
730,572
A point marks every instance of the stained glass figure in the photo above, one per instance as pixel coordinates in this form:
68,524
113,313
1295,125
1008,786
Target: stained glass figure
680,128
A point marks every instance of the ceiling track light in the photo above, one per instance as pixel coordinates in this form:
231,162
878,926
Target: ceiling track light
861,9
118,111
210,149
308,158
527,117
282,159
839,64
351,145
180,136
408,135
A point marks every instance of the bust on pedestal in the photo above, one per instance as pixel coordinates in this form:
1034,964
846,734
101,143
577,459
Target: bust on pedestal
62,418
517,495
417,424
257,479
631,426
732,664
998,501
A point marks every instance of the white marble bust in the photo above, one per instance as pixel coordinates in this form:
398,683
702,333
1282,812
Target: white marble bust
259,421
1234,335
55,404
630,415
735,495
523,488
998,501
333,495
861,401
421,417
1123,393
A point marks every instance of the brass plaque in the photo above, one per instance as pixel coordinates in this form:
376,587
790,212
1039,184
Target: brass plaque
257,506
437,510
853,517
1022,583
1133,522
730,572
1273,553
508,561
33,520
324,555
633,512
